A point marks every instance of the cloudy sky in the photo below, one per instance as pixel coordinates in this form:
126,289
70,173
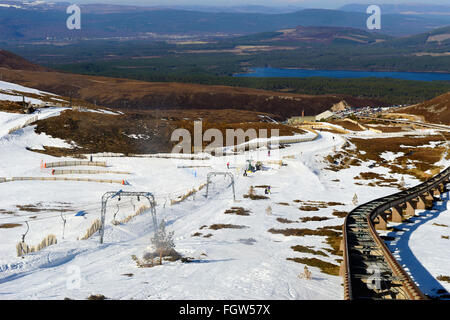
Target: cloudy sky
305,3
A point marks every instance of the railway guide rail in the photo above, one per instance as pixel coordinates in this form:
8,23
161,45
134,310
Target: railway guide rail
369,269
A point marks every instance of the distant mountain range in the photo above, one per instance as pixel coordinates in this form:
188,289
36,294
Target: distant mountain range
405,8
25,21
325,35
436,39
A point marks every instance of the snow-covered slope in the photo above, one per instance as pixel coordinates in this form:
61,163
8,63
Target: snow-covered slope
16,93
245,263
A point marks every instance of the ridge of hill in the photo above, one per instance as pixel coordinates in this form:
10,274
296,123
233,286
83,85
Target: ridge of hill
436,110
10,60
133,94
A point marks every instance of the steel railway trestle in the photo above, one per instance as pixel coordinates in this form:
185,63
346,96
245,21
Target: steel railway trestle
369,269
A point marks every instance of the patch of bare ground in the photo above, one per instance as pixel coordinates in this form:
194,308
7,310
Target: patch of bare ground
333,204
443,278
96,297
209,235
284,220
151,259
340,214
322,231
283,203
253,196
129,275
239,211
9,225
142,131
325,267
378,180
226,226
440,225
39,208
333,235
418,158
307,249
328,130
3,211
341,160
445,237
347,125
315,218
319,204
197,234
316,205
11,107
436,110
309,208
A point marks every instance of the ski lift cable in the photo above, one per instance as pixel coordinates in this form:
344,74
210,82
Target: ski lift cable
52,215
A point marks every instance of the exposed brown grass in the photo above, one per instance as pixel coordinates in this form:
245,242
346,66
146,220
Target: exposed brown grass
3,211
304,249
324,231
440,225
39,208
443,278
97,132
284,220
340,214
129,275
445,237
378,180
315,218
239,211
96,297
9,225
30,208
435,110
226,226
283,203
309,208
415,153
347,125
319,204
114,92
333,203
324,266
11,107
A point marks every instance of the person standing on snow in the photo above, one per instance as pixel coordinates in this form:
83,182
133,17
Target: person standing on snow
228,165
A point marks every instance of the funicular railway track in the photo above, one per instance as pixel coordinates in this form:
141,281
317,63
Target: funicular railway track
369,269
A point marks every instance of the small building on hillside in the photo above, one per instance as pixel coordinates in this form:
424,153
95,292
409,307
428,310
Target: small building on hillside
321,116
324,115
